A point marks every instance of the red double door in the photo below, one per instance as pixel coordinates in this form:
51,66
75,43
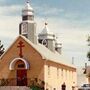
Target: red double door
22,77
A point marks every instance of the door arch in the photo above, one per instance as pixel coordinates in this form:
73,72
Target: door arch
13,62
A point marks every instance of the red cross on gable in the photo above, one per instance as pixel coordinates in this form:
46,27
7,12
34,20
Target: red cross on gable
20,46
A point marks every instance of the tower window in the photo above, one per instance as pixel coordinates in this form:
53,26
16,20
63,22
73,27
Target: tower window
27,18
56,49
44,42
40,41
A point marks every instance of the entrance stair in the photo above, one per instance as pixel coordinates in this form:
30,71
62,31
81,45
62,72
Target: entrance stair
14,88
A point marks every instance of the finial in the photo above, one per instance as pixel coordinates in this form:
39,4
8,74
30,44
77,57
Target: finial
28,1
45,20
46,23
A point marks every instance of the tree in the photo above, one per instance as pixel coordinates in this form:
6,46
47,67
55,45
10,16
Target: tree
88,40
37,84
1,48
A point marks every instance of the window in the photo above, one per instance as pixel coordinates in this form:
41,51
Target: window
40,41
44,42
62,72
57,72
27,17
48,70
21,65
72,75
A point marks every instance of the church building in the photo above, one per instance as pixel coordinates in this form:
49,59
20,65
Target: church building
30,57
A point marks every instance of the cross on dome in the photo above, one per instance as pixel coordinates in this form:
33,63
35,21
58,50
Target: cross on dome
28,6
28,1
46,30
46,23
27,10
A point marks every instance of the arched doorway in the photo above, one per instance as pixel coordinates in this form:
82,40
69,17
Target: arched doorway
21,73
20,66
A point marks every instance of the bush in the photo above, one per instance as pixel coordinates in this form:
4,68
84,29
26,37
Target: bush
37,84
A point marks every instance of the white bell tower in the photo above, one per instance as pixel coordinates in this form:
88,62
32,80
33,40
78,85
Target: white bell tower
47,38
27,27
58,46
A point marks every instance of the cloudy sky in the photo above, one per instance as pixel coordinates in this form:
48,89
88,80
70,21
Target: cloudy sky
68,19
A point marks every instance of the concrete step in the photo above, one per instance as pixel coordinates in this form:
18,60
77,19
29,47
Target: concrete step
14,88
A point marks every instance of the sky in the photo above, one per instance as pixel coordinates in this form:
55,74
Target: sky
68,19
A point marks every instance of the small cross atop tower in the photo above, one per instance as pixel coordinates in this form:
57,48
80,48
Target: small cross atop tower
20,46
28,1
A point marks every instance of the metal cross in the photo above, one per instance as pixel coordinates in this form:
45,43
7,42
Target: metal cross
20,46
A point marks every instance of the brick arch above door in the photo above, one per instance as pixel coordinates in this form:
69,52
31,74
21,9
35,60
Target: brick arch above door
13,62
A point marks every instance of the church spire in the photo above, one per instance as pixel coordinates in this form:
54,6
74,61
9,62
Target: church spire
28,1
46,29
47,38
27,27
27,12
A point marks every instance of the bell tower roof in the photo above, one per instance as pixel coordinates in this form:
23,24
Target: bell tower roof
46,30
46,33
27,10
